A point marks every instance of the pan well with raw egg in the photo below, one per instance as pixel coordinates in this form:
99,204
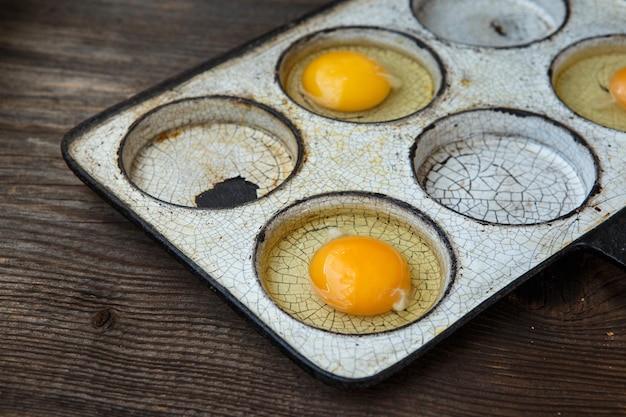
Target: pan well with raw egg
590,78
286,250
360,74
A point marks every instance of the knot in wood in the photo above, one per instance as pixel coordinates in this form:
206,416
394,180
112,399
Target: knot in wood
103,320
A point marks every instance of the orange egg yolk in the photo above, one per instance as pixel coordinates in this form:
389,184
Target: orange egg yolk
617,87
346,81
360,275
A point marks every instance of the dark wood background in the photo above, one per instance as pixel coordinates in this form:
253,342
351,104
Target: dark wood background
96,319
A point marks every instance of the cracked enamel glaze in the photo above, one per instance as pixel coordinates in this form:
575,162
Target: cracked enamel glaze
486,177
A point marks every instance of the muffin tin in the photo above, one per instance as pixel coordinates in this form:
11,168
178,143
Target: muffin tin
481,167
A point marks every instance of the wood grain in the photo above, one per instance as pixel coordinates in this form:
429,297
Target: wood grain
96,319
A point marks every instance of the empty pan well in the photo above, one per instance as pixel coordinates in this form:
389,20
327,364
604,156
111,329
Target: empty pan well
211,152
491,23
504,167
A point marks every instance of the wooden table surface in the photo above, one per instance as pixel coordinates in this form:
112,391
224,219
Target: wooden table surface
97,319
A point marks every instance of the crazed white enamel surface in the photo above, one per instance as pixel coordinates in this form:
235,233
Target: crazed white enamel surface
374,158
166,153
504,168
491,23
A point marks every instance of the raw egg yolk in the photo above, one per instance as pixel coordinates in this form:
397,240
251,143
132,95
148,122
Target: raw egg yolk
346,81
617,87
360,275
